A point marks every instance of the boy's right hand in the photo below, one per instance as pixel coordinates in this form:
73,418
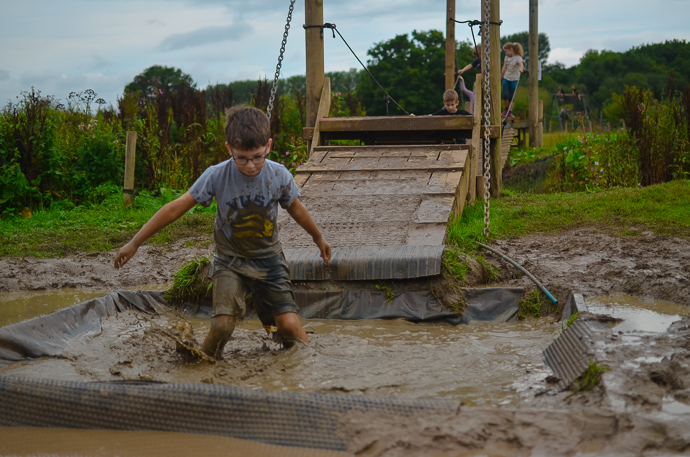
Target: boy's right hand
124,254
325,249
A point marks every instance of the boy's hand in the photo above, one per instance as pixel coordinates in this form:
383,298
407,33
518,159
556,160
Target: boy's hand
325,249
124,254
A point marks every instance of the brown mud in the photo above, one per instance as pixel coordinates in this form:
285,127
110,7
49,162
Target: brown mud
642,406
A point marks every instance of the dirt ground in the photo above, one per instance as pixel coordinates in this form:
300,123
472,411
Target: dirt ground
641,408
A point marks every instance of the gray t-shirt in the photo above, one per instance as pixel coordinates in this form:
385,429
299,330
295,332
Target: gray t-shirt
512,68
247,217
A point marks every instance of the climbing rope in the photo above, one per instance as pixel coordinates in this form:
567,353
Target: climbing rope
271,99
486,48
386,95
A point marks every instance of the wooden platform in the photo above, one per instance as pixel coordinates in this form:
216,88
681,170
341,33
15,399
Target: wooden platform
388,202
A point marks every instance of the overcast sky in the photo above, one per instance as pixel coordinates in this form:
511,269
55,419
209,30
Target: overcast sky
59,46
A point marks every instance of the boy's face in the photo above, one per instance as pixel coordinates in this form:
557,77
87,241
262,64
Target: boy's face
451,105
251,162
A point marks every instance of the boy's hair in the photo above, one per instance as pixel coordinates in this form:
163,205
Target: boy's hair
450,95
477,51
246,127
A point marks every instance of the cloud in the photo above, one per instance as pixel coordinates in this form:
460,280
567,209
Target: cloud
205,35
4,75
566,56
98,63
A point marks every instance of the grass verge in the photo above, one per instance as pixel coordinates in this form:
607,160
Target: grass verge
663,209
97,228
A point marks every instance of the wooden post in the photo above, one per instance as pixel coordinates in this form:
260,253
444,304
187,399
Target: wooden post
533,73
473,167
495,84
313,12
450,44
540,130
130,154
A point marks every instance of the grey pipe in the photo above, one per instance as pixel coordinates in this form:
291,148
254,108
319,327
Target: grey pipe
515,264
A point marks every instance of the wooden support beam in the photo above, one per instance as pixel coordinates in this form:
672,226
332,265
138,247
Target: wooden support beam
130,154
540,131
313,12
324,108
474,165
533,108
450,44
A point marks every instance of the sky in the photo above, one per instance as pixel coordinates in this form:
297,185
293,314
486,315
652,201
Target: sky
60,46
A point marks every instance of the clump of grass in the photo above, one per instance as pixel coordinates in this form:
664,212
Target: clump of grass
590,378
387,292
454,264
535,305
572,319
190,283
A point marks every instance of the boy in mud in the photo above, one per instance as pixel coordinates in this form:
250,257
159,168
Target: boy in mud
248,189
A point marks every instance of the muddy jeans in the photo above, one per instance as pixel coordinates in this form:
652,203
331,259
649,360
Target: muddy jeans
267,279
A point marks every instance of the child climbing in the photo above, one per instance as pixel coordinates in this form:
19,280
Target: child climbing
248,189
510,73
450,108
476,63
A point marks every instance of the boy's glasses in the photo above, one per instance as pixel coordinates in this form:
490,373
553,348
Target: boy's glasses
254,160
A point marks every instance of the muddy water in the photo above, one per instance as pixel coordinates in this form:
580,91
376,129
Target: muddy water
638,315
19,306
480,364
57,442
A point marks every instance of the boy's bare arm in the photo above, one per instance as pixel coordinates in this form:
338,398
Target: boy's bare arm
164,217
300,214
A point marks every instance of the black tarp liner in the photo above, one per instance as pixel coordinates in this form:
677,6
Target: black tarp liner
48,336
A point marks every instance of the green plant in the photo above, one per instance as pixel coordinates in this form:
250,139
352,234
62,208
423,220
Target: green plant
590,378
387,292
531,306
572,319
190,283
453,262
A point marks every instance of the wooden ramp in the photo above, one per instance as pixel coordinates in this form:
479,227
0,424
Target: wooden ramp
383,206
384,209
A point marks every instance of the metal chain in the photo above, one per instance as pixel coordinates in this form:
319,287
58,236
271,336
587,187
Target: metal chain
269,109
486,49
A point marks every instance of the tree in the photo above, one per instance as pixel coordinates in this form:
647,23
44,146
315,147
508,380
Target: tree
157,79
410,70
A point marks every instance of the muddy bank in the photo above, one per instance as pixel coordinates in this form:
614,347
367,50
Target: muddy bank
594,264
153,264
582,260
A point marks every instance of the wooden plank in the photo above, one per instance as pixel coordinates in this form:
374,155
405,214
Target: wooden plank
324,108
387,187
473,166
448,160
355,167
395,123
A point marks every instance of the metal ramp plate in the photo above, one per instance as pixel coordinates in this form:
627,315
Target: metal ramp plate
380,207
365,263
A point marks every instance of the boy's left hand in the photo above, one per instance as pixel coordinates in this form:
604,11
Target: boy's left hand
325,249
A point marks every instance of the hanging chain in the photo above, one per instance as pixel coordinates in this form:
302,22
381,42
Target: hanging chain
269,109
486,49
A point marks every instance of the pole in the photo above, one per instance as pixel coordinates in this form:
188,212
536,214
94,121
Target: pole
540,131
313,12
495,83
130,154
450,44
533,73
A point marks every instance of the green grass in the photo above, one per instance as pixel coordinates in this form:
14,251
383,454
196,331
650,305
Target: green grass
663,209
590,378
190,283
96,228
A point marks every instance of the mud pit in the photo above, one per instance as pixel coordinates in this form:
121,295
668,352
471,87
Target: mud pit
642,407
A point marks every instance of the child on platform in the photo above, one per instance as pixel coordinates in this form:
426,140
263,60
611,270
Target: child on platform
248,189
450,108
510,73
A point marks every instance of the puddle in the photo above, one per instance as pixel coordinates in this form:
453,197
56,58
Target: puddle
19,306
482,363
637,314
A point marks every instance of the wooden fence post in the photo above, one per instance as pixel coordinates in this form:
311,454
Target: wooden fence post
130,149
